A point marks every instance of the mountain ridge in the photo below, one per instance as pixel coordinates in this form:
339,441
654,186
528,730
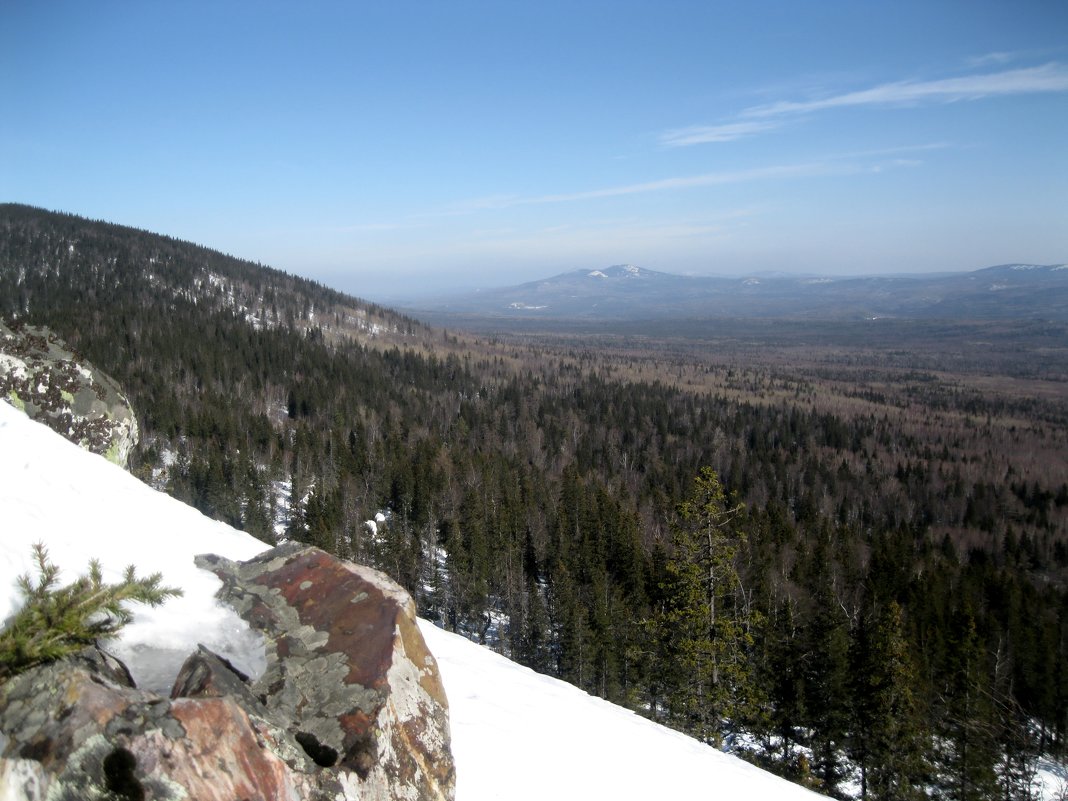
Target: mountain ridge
44,255
627,292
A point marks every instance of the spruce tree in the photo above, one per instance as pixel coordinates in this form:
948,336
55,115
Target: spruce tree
702,630
58,621
889,740
968,733
824,666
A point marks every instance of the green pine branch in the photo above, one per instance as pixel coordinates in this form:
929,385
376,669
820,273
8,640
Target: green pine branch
57,621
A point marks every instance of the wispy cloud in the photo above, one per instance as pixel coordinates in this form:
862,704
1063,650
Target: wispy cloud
844,164
1052,77
683,182
889,151
479,204
702,134
664,184
373,227
990,59
832,164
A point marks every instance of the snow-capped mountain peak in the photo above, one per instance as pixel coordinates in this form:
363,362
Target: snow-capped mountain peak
624,270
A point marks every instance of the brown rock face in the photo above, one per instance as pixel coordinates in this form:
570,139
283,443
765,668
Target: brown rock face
351,705
349,669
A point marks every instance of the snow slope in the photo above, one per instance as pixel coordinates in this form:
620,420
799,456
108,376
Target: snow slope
83,507
516,735
521,736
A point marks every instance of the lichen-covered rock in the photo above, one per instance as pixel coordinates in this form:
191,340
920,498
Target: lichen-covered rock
347,665
71,732
350,707
41,376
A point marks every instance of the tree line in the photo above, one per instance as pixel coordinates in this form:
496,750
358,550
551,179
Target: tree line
837,587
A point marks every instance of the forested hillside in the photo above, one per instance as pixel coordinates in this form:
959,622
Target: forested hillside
866,558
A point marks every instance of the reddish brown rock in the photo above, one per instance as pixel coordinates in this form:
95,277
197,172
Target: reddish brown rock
347,665
224,754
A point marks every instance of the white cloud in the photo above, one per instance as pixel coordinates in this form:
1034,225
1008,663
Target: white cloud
679,182
988,59
480,204
1051,77
892,151
839,164
703,134
833,164
373,227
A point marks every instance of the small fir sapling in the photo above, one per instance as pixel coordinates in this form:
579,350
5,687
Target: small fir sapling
57,621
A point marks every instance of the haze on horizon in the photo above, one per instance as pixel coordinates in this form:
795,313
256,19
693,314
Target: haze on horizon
394,149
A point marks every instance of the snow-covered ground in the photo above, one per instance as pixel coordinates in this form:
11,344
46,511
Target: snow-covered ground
516,734
82,507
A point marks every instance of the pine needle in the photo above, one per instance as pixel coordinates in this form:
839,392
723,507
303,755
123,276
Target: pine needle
57,621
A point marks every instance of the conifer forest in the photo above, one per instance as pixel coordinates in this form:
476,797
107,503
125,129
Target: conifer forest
840,549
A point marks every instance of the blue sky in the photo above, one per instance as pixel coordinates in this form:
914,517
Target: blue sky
390,149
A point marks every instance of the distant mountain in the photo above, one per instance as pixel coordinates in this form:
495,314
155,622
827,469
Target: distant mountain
626,292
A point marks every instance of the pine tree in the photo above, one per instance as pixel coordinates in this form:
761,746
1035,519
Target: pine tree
703,633
968,729
784,677
57,621
572,636
532,644
889,739
824,666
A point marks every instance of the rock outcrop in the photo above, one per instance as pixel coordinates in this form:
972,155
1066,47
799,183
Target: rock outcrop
347,666
351,705
41,376
77,732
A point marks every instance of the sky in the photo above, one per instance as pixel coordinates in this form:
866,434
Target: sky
404,148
